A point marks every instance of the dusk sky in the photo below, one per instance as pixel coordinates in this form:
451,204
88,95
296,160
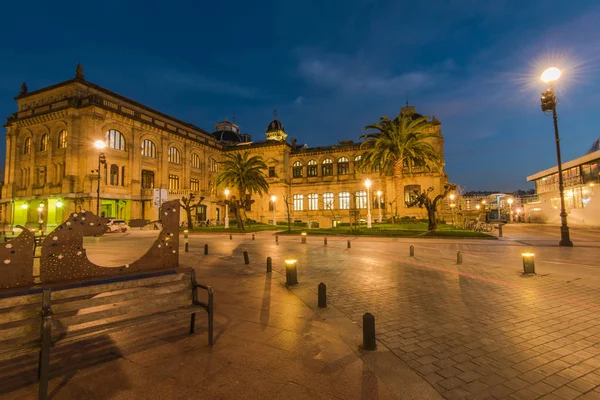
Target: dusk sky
332,67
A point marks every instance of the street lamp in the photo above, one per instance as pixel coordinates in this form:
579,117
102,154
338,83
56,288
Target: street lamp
510,211
379,205
226,209
273,198
368,185
40,211
100,145
452,205
549,104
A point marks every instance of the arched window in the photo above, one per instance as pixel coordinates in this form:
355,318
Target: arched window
114,175
327,167
174,155
357,164
344,200
62,139
376,168
148,148
343,168
196,161
312,168
115,140
27,146
213,166
297,170
361,199
44,142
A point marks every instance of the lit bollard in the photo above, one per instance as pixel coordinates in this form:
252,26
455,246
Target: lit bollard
291,272
322,290
205,249
185,234
412,251
187,247
246,258
276,239
369,342
458,257
528,263
253,236
303,234
325,242
185,238
269,264
349,244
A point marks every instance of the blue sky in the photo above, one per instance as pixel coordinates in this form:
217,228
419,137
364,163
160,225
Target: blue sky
332,67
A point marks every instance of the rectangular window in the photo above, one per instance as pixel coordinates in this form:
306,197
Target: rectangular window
147,179
194,185
312,169
378,202
327,169
298,202
411,192
313,201
272,172
361,199
328,201
344,200
173,182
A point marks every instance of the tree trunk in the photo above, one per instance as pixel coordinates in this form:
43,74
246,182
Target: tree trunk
398,187
432,226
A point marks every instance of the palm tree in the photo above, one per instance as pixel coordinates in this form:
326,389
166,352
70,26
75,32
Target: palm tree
245,174
400,144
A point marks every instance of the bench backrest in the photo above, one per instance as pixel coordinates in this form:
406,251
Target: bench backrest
89,308
20,320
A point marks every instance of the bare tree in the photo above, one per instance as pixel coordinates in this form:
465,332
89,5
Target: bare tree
189,203
423,200
286,199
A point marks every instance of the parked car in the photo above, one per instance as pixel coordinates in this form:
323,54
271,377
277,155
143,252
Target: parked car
116,225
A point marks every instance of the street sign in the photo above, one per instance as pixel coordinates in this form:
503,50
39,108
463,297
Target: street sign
159,196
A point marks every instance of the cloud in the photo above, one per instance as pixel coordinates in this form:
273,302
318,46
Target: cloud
197,82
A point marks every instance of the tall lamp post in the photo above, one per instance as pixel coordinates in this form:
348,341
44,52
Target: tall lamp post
226,209
368,185
273,198
100,145
379,205
549,102
510,211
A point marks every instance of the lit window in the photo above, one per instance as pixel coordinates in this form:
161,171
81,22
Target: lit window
148,148
343,168
212,165
312,168
27,146
411,192
174,155
297,170
194,185
313,201
196,161
44,142
327,167
328,201
298,202
173,182
115,140
344,200
361,199
62,139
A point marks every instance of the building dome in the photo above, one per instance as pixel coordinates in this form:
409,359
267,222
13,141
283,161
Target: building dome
276,131
275,125
227,136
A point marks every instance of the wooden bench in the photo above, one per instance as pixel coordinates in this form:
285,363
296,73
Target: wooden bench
37,319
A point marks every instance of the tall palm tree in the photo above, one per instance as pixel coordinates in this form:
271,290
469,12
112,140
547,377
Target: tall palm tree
400,144
246,175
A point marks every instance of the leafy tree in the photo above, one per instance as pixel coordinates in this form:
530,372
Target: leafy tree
188,204
423,200
245,175
400,144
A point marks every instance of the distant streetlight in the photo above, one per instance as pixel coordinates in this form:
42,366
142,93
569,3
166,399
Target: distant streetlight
452,205
368,185
510,211
99,145
549,102
273,198
226,209
379,205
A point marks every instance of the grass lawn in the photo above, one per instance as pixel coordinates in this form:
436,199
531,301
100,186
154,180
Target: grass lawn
383,230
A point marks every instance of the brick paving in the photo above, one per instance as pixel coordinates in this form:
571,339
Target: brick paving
479,330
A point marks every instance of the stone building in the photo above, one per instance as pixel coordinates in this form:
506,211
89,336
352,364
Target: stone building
52,164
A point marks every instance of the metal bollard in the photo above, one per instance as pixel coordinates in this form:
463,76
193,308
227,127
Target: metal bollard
276,239
269,264
325,241
349,244
412,251
230,237
291,273
187,247
205,249
499,230
528,263
458,257
185,234
369,342
253,236
322,290
246,258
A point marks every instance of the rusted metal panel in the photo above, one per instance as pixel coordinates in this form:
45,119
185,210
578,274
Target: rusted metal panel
16,261
64,259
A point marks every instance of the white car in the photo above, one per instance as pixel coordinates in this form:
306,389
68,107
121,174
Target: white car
116,225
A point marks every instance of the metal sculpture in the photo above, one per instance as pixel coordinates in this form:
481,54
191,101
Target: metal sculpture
16,261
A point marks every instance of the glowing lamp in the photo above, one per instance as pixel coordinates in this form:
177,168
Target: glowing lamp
368,183
99,144
273,198
24,206
551,74
59,204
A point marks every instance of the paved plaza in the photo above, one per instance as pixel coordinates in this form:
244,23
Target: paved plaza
478,330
